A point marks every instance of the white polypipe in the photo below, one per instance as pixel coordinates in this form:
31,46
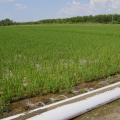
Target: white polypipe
73,110
63,101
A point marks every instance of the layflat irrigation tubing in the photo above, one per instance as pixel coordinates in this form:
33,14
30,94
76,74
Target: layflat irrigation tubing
111,93
75,109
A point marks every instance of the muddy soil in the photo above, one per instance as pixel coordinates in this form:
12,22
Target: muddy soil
35,102
107,112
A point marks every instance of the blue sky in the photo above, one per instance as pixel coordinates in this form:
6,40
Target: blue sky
30,10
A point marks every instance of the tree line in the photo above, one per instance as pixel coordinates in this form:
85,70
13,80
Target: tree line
105,19
6,22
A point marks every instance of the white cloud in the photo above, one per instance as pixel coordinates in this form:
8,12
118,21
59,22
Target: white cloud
112,3
75,7
20,6
109,6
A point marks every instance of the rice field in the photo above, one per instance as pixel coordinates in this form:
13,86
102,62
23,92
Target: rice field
43,59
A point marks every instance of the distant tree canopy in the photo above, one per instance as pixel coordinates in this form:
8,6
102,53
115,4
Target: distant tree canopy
105,19
6,22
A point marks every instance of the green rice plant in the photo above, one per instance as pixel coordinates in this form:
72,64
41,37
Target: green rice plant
43,59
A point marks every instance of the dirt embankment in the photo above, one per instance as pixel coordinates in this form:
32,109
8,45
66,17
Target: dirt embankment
35,102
